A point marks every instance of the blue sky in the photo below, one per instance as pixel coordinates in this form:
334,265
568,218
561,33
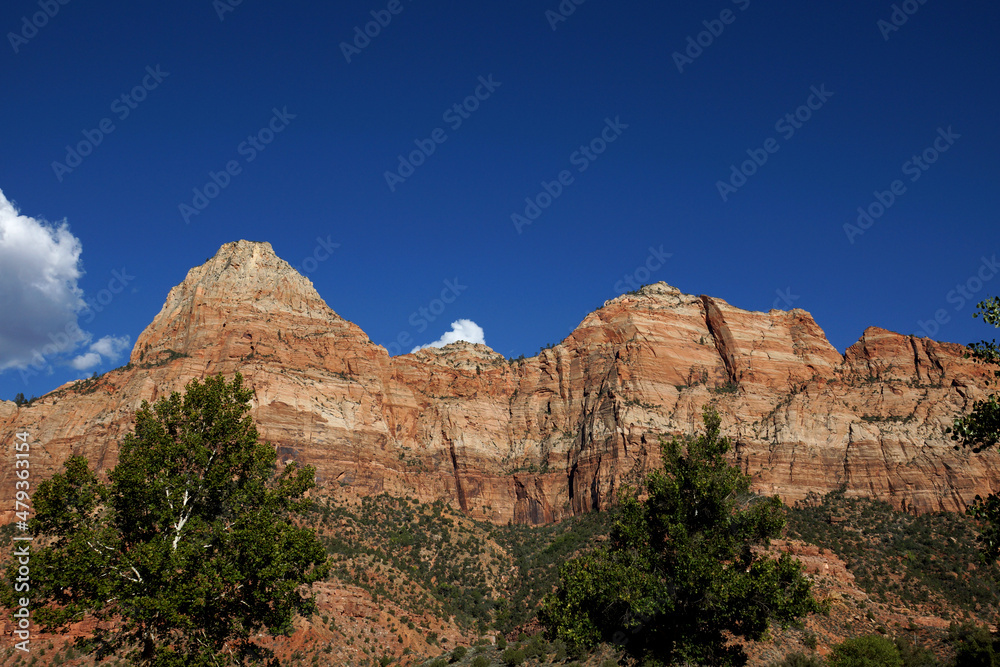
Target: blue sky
725,144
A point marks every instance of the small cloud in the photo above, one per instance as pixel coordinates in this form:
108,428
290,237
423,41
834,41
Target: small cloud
466,330
86,361
109,348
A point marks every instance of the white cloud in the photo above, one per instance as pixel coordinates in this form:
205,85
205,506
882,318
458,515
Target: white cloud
109,348
460,330
85,361
39,296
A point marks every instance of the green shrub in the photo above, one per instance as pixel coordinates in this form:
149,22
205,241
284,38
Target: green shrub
458,653
501,642
559,648
513,656
480,661
537,648
867,651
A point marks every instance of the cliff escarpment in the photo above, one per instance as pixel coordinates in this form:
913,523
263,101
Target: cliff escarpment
558,434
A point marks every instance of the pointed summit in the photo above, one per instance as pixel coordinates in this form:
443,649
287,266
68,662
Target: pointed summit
251,268
245,285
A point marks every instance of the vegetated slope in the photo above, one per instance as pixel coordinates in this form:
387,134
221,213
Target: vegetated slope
920,565
412,581
409,580
435,563
885,572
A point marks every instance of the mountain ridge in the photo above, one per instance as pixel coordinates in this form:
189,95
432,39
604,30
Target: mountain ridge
557,434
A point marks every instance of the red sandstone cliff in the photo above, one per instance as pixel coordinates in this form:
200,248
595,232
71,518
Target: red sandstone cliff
556,434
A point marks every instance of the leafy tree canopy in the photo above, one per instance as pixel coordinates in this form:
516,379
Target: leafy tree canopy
867,651
974,645
685,566
189,550
980,430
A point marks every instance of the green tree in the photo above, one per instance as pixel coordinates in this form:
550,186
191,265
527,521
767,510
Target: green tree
980,430
189,550
867,651
684,567
917,656
974,645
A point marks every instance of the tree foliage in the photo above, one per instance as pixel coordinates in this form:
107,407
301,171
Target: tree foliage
189,550
980,429
866,651
684,567
21,401
974,645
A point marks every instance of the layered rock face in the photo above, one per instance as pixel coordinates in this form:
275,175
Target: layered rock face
553,435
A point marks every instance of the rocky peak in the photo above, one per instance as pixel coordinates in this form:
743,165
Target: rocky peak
245,283
461,355
657,292
250,269
659,289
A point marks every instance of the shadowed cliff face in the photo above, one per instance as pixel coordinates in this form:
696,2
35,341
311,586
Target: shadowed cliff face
556,434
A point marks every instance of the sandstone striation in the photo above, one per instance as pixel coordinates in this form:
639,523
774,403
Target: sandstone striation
560,433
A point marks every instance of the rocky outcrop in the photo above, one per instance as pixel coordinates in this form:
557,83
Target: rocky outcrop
535,440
